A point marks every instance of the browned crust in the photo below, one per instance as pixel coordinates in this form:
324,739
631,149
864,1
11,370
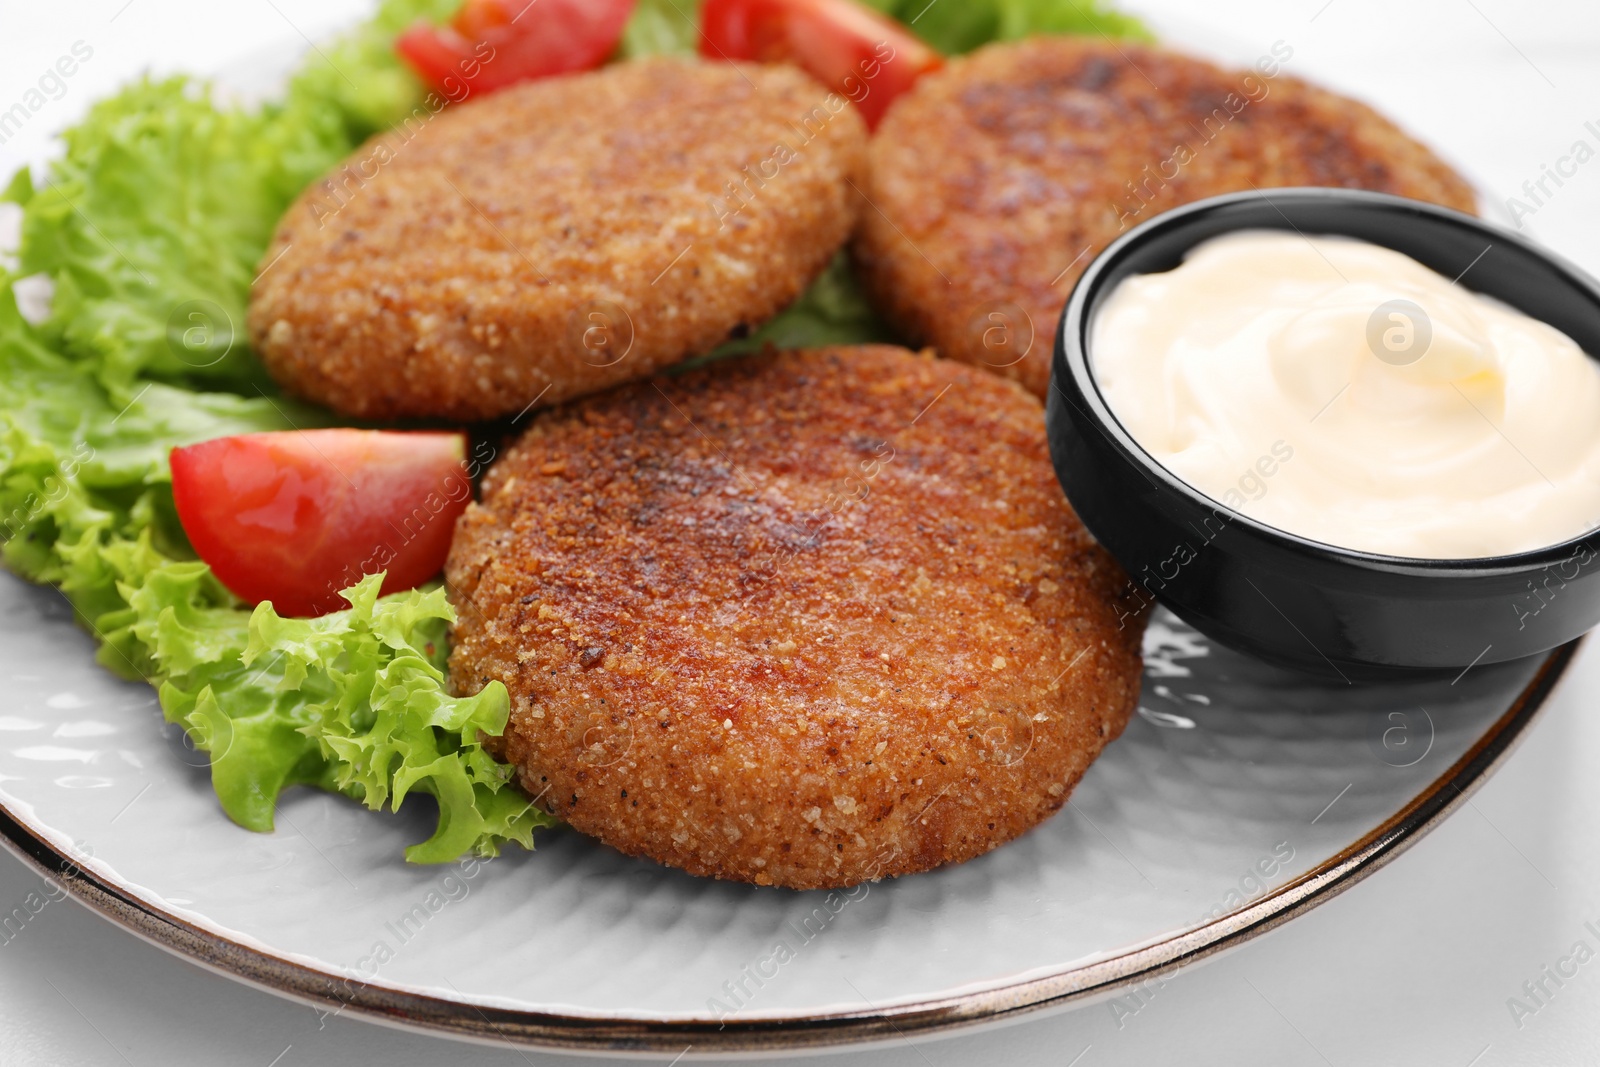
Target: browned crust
764,622
450,267
995,181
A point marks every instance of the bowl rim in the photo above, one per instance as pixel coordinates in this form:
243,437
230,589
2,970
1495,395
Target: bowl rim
1071,355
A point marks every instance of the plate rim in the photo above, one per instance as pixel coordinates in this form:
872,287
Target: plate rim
462,1019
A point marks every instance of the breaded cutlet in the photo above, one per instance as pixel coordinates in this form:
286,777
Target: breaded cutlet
803,619
557,238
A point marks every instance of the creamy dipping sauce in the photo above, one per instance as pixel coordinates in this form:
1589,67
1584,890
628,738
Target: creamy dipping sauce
1344,392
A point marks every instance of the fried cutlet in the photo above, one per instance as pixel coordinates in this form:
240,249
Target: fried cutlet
556,238
804,619
994,182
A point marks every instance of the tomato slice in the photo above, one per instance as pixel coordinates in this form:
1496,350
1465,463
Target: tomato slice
491,44
856,51
295,517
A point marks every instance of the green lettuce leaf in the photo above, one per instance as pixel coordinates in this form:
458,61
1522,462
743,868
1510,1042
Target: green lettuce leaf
661,28
354,701
955,28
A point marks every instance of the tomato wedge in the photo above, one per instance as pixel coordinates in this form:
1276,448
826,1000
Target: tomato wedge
491,44
295,517
861,54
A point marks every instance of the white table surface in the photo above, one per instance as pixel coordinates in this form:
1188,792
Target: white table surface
1413,966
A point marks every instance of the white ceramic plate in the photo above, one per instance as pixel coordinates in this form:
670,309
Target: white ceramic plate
1239,797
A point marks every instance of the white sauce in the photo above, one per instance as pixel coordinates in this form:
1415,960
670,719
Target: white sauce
1271,372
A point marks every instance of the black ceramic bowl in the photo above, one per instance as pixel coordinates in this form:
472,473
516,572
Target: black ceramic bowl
1279,596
